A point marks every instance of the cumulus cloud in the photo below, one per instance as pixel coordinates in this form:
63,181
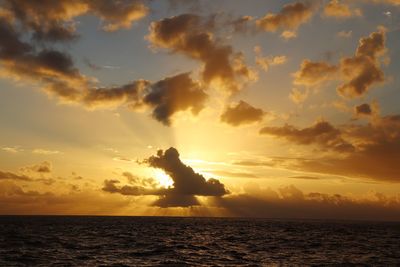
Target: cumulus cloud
337,9
192,36
242,113
363,70
187,184
56,73
323,134
290,17
54,20
314,73
174,94
357,73
60,78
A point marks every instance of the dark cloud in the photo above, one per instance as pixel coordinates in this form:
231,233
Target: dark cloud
363,109
289,18
242,113
187,184
290,202
54,20
174,94
128,190
186,181
323,134
192,36
115,96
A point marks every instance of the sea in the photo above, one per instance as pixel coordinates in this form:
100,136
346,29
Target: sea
187,241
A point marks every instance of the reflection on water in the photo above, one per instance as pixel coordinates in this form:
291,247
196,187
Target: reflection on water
149,241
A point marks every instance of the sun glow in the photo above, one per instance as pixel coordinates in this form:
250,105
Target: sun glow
163,179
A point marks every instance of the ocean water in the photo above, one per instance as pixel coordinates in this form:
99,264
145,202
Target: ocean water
163,241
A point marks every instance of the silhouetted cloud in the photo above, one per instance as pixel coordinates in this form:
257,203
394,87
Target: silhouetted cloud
242,113
322,133
363,109
174,94
187,184
186,181
290,202
192,36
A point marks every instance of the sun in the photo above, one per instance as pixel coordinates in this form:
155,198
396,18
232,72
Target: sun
163,179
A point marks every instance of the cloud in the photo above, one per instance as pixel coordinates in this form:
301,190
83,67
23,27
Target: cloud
192,36
14,176
115,96
386,2
54,20
60,78
335,8
174,94
242,113
357,73
287,35
298,96
322,133
363,109
290,202
12,149
18,200
362,70
345,34
266,62
41,168
57,75
45,151
372,151
314,73
289,18
187,184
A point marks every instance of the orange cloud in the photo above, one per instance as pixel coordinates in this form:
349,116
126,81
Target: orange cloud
358,73
192,36
289,18
322,133
335,8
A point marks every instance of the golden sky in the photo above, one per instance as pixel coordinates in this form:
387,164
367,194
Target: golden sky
200,108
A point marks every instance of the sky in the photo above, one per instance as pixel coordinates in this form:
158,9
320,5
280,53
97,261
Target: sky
279,109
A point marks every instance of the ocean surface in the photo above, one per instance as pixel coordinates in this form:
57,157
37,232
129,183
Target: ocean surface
163,241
